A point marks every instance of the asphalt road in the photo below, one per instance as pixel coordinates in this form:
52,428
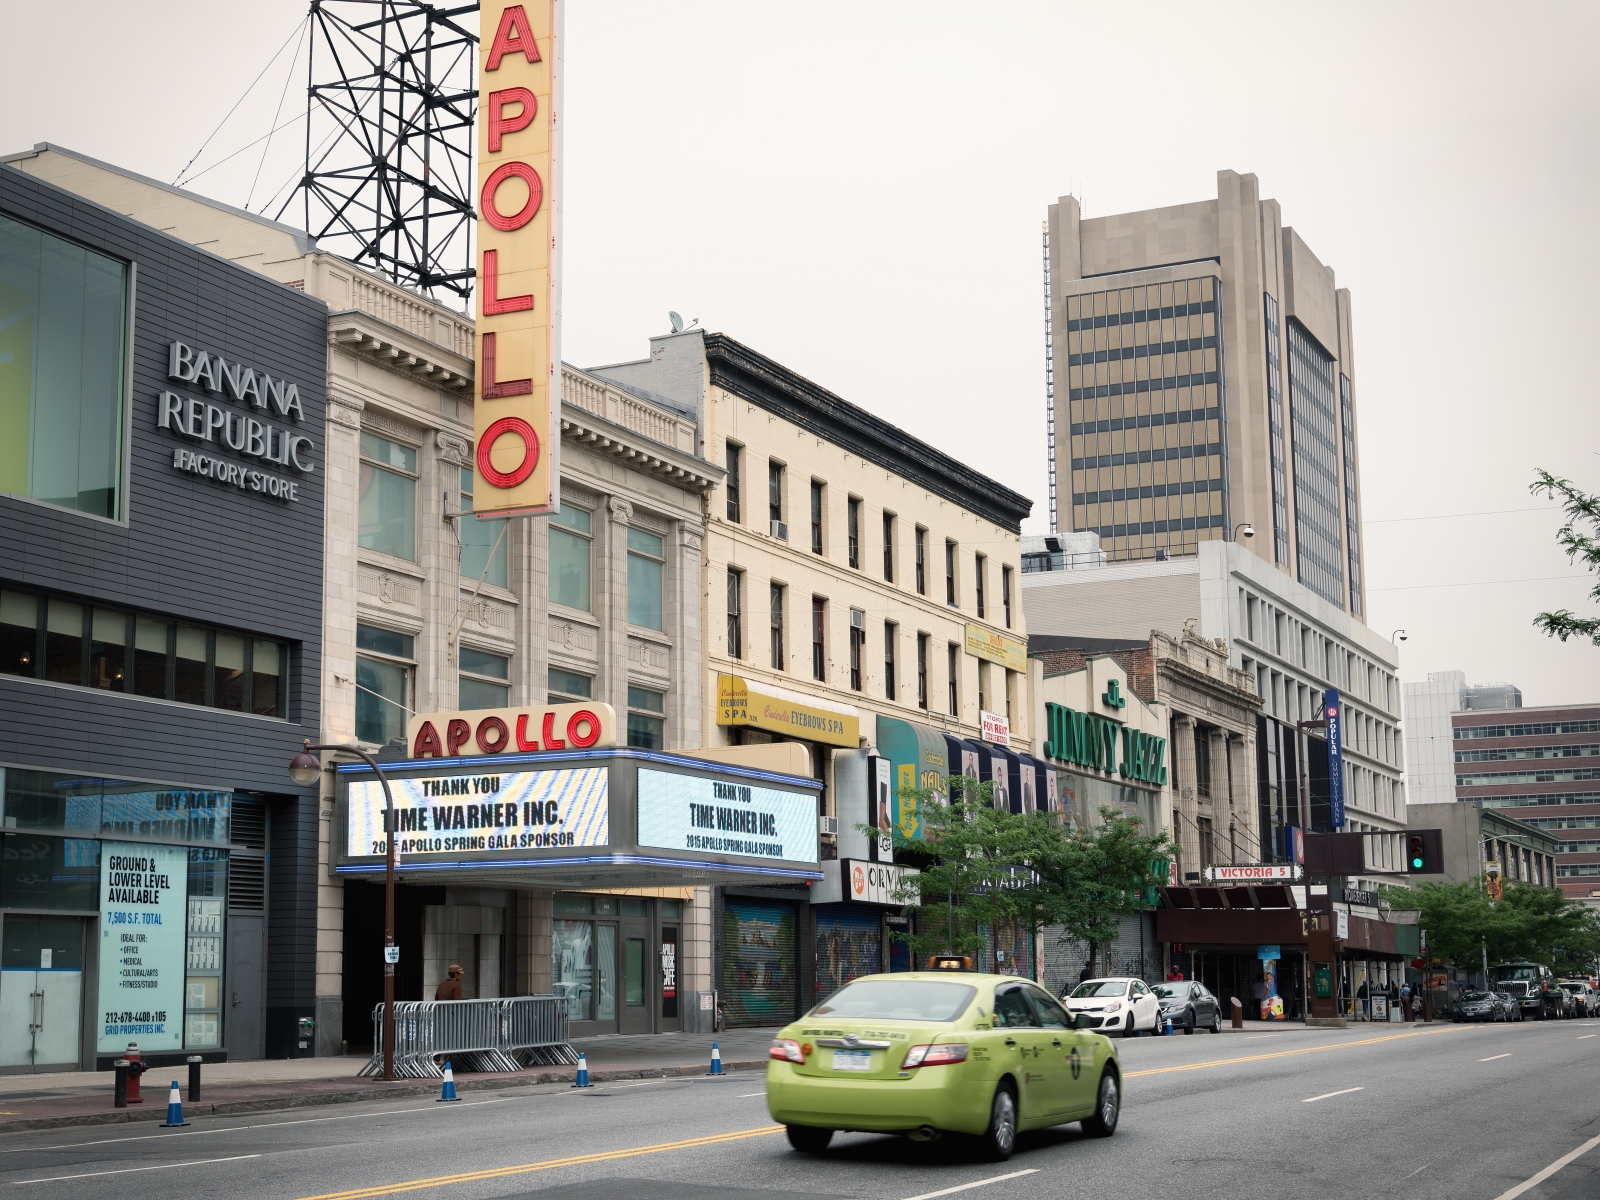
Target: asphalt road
1453,1112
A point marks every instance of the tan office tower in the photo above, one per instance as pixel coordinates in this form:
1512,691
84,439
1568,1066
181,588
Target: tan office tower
1208,383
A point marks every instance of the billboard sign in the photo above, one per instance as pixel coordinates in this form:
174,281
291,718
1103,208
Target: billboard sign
143,894
713,816
1335,759
518,353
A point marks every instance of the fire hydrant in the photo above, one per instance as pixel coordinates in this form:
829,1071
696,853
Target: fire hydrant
135,1069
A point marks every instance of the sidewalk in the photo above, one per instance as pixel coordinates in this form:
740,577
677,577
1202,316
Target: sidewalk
84,1097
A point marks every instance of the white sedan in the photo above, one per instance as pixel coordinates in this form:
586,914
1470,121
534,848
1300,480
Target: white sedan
1115,1006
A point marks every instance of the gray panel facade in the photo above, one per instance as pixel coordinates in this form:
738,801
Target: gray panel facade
188,549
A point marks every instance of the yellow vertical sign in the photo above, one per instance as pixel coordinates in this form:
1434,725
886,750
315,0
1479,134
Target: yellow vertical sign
518,354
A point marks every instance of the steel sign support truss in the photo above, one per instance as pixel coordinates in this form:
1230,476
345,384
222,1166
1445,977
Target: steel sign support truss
391,103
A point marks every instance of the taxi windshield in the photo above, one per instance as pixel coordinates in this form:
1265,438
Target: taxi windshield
1101,987
897,1000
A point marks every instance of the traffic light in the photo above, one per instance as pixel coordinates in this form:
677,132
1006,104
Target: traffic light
1425,852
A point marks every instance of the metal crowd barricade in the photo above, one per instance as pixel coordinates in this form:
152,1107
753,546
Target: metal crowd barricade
505,1034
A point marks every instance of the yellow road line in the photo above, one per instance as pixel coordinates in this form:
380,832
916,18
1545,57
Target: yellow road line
1223,1062
548,1164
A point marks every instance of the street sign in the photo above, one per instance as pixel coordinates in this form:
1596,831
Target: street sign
1341,925
1357,896
1335,759
1254,873
391,954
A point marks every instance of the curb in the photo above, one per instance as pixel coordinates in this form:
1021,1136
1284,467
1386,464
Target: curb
407,1090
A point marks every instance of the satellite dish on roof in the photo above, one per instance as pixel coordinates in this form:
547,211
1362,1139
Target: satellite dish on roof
677,322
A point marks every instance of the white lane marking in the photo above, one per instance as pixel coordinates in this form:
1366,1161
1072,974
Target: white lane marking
1492,1057
146,1137
747,1095
1550,1170
964,1187
1587,1036
200,1162
1419,1170
1330,1095
616,1086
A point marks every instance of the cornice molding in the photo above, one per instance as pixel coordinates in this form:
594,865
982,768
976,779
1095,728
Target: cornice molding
399,350
606,438
752,376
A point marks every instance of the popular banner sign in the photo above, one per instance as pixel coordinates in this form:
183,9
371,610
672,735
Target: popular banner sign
472,813
518,357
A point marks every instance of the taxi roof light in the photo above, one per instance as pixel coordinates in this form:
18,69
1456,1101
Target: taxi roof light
949,962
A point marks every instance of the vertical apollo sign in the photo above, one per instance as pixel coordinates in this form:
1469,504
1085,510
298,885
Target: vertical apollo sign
1330,702
518,357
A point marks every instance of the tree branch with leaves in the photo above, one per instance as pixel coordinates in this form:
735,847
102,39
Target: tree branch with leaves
1580,538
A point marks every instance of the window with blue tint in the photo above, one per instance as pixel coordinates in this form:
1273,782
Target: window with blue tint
480,683
571,541
63,353
387,511
51,800
480,539
53,873
567,686
383,683
647,728
1280,485
645,572
172,814
1314,441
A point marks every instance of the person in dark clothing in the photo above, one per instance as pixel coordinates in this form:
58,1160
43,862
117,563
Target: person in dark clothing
450,989
1087,972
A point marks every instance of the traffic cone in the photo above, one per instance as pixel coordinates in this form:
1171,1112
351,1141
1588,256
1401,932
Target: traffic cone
1169,1026
174,1109
449,1092
583,1071
716,1060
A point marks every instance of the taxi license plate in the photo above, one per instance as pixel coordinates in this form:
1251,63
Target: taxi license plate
852,1060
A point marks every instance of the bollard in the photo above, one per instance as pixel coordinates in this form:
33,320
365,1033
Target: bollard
1238,1013
119,1094
716,1060
174,1109
194,1078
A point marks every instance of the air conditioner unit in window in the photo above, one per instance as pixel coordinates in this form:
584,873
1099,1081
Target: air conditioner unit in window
780,530
858,619
828,825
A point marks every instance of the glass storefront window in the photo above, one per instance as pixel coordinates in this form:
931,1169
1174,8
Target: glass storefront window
62,361
478,538
574,904
387,511
605,960
572,966
633,973
203,957
570,542
66,803
51,800
60,874
645,567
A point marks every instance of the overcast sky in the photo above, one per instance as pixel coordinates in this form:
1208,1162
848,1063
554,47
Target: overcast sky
857,189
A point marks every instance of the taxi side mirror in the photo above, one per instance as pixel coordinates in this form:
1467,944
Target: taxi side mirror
1081,1021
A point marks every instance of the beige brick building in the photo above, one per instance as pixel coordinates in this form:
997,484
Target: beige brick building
1205,379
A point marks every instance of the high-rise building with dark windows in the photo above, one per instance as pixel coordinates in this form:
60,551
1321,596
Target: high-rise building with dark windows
1205,381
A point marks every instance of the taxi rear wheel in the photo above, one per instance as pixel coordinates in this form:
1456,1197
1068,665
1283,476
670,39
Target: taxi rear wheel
1000,1139
1107,1108
807,1139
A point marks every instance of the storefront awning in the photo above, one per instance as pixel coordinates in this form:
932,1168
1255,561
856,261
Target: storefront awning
614,817
778,710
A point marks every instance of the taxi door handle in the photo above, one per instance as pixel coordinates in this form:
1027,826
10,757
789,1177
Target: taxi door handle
1055,1041
1011,1041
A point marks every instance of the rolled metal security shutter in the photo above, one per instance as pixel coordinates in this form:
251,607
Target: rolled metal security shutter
849,945
759,979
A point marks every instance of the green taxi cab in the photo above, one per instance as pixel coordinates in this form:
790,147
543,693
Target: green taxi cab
924,1053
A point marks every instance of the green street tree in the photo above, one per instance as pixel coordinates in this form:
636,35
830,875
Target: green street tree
1580,538
1534,923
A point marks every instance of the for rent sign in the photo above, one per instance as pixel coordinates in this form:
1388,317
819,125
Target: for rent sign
143,890
518,356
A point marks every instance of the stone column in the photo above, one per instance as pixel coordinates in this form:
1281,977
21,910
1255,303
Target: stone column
1185,802
611,607
685,621
1241,755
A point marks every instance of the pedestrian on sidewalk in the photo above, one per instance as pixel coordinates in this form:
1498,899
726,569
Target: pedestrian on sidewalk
1088,971
450,989
1361,994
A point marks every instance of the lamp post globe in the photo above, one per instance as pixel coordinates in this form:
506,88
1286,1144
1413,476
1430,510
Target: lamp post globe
304,768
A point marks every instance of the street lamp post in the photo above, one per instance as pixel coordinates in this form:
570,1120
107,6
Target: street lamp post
305,770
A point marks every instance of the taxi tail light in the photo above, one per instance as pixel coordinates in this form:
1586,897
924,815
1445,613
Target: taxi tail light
935,1056
786,1051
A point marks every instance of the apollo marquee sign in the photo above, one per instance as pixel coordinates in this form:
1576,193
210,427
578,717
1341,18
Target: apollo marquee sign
246,414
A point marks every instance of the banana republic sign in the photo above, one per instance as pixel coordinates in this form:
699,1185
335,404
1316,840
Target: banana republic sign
260,422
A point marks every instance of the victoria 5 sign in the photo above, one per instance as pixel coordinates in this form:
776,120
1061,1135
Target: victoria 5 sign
518,355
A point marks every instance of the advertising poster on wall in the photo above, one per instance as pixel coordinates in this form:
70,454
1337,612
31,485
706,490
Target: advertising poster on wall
143,889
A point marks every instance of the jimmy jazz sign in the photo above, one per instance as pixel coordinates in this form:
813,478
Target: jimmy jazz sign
266,430
1087,740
